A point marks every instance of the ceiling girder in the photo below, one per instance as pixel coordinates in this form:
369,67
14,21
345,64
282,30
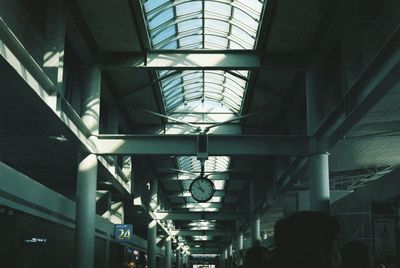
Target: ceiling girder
217,232
186,145
206,250
193,215
200,250
201,60
217,193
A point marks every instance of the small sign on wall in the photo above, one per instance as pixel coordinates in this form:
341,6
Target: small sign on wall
123,232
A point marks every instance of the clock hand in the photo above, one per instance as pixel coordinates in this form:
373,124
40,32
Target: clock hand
199,187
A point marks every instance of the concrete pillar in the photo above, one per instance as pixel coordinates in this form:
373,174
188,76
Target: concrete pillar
85,212
178,258
240,249
184,259
168,260
319,182
87,173
91,98
255,230
255,218
225,254
151,243
224,257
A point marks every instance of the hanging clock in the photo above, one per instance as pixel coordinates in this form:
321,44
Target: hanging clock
202,189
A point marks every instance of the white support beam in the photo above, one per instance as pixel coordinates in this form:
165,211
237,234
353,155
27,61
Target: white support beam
194,215
199,206
171,176
180,145
206,250
218,193
218,232
203,244
200,59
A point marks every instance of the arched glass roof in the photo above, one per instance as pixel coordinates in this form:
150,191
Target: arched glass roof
203,24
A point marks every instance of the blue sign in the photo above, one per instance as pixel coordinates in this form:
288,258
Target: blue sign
123,232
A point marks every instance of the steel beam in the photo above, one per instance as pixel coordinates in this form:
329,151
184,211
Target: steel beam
203,244
373,84
193,215
205,250
172,177
181,145
218,232
218,193
200,60
194,250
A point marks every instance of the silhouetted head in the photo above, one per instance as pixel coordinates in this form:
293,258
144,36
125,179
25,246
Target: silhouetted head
257,257
308,239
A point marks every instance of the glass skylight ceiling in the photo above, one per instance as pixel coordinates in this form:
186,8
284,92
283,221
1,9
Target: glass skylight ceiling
187,87
203,24
209,24
202,96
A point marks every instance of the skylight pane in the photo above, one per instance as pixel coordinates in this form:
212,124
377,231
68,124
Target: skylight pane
216,41
171,45
213,7
150,5
253,5
244,18
242,36
187,8
188,25
170,31
186,41
213,25
189,75
193,86
161,18
174,101
235,45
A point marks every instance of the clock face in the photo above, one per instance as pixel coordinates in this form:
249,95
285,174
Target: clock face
202,189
